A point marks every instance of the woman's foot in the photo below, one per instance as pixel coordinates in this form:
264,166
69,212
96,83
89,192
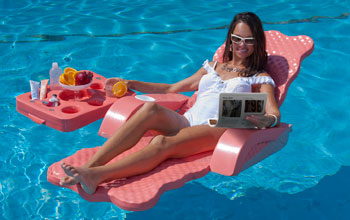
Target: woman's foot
81,175
67,181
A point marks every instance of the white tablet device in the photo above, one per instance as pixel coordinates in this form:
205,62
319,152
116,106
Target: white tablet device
234,107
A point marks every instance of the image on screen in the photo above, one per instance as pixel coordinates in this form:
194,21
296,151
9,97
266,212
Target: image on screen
232,108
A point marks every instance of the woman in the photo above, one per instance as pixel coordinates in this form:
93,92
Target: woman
188,134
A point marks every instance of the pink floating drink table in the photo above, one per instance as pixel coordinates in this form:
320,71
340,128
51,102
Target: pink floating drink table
77,106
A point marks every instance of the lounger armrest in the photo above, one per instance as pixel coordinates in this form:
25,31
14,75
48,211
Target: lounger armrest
238,149
125,107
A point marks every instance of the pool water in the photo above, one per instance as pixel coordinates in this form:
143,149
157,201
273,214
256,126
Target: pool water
166,41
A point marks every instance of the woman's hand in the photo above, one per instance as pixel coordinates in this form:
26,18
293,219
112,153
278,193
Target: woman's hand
109,83
261,121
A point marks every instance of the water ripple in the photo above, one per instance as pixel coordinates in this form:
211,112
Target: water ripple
62,37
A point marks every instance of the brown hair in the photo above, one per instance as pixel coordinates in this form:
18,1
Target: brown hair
258,59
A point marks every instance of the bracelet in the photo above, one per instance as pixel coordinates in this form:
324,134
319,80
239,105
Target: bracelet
275,120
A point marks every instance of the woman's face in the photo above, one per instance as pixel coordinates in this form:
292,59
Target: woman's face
242,49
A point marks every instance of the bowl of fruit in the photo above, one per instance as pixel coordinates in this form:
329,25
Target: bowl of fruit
75,80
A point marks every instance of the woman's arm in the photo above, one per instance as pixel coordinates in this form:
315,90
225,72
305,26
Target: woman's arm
188,84
271,106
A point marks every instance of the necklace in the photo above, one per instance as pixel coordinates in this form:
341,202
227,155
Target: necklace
232,69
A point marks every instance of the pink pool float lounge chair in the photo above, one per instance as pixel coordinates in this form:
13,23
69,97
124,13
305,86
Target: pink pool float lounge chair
236,150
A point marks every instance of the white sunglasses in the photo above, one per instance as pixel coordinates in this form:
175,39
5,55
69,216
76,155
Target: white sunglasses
247,40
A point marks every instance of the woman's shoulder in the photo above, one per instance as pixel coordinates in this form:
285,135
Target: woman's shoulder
211,63
263,73
263,78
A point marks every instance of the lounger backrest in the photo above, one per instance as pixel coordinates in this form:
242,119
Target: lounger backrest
285,54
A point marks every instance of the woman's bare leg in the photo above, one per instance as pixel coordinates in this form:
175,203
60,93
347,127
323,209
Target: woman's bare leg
150,117
188,141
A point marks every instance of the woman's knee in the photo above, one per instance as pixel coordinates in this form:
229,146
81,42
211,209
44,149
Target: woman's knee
161,145
150,108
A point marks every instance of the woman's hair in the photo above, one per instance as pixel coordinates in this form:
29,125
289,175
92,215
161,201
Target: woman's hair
258,59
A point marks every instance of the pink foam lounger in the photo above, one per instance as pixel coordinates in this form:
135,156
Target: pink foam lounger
236,150
70,114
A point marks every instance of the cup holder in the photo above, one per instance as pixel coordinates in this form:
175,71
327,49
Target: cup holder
95,102
70,109
49,104
67,95
97,97
96,86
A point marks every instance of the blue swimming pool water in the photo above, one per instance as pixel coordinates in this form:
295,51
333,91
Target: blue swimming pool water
167,41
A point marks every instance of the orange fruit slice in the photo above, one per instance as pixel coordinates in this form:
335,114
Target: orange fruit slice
119,89
63,80
68,69
71,77
68,76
